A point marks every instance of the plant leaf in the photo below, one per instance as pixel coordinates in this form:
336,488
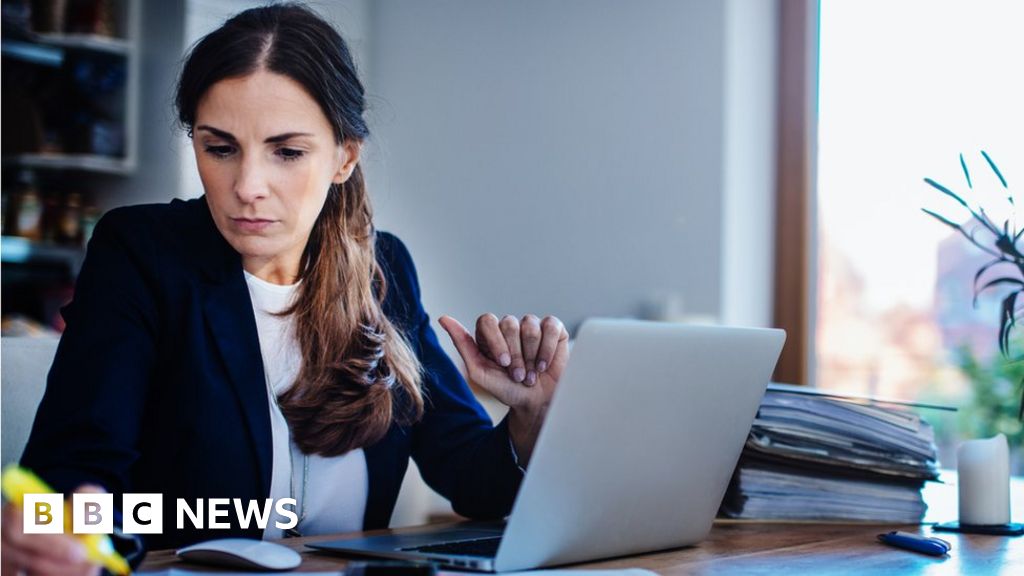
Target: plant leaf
942,219
966,173
995,282
1007,246
1007,321
983,269
994,169
963,232
982,219
946,191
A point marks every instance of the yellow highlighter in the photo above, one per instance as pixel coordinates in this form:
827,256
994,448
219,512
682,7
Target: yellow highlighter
17,482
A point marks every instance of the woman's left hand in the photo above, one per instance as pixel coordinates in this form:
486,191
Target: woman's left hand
519,362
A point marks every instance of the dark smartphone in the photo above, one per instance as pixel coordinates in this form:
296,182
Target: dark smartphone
390,568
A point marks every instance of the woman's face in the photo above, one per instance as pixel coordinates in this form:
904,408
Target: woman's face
267,157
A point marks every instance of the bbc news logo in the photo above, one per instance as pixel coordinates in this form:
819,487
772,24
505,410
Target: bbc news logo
144,513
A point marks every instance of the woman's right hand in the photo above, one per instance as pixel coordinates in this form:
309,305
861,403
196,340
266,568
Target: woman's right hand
41,554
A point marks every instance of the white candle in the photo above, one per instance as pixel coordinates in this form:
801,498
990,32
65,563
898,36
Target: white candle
983,470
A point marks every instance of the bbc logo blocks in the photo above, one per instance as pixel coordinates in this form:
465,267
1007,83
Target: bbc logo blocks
44,514
144,513
92,513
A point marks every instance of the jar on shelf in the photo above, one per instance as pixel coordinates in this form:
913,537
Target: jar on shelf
52,206
49,15
28,218
69,229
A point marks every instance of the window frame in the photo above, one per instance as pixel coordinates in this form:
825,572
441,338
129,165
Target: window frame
795,290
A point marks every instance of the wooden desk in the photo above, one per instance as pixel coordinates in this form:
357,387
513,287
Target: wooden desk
771,548
762,548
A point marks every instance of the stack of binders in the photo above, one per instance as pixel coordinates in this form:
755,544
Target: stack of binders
811,457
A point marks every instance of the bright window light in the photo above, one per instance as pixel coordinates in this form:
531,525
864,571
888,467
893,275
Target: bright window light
905,88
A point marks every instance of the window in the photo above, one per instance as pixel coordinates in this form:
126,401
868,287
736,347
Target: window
904,88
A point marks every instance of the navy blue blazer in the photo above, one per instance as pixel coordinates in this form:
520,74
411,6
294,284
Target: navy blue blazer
158,383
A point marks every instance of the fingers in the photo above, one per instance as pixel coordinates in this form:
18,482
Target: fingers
491,341
524,348
40,553
9,565
44,566
552,333
464,343
510,330
53,548
530,338
61,548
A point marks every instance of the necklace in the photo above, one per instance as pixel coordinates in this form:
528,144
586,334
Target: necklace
294,531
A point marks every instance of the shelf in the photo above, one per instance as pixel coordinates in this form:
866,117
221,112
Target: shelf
40,54
48,49
81,162
92,42
17,250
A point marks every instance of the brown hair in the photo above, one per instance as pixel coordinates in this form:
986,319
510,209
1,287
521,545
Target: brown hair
359,373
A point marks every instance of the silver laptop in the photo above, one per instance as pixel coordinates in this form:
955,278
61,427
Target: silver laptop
635,454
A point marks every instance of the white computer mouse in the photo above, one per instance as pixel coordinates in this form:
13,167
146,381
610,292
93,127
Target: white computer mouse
242,553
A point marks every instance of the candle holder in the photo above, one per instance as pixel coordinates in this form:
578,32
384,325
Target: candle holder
983,470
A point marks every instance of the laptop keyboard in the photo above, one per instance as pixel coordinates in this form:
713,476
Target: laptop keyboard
478,547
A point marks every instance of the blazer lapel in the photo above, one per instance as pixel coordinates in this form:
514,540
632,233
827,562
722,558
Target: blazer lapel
230,318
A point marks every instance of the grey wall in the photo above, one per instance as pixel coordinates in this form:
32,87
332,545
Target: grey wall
576,158
570,157
748,169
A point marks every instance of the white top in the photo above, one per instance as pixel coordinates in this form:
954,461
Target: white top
337,487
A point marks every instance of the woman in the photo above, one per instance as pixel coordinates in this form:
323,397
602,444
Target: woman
264,340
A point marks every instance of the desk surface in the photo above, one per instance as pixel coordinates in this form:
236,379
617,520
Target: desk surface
770,548
734,547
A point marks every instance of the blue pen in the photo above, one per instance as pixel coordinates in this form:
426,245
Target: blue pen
924,544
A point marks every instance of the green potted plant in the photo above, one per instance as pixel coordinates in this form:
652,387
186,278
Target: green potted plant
999,242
